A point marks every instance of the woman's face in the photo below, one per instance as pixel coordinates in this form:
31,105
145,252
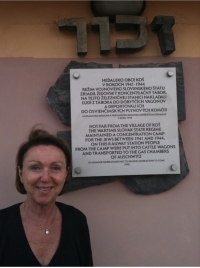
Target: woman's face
43,174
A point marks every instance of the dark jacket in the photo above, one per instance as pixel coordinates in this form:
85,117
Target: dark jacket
74,248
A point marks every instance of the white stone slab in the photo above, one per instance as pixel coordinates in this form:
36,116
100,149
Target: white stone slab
124,122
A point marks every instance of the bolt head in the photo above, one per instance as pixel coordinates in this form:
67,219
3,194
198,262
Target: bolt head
174,167
170,73
76,75
77,170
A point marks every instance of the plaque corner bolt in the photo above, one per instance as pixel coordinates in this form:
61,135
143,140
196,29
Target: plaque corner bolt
76,75
170,73
77,170
173,167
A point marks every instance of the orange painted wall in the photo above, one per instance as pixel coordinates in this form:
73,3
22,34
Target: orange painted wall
126,229
30,29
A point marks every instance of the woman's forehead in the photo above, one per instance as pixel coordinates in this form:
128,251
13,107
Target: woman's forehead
44,151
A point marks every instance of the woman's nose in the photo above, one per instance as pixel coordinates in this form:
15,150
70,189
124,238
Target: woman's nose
45,175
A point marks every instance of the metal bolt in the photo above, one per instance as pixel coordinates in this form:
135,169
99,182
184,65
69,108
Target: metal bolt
77,170
170,73
76,75
174,167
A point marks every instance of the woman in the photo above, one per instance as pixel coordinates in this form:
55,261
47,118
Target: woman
41,231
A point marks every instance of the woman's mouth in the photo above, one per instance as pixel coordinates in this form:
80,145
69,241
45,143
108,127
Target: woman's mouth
44,189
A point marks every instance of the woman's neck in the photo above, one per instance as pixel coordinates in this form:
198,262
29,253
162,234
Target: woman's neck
42,211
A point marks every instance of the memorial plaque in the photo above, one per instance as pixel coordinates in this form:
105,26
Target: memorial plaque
124,122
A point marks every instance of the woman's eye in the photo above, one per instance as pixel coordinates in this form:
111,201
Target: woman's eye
35,168
56,168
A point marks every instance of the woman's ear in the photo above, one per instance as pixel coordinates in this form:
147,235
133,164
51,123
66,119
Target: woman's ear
20,173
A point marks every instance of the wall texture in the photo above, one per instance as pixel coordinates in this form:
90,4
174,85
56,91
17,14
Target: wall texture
126,229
